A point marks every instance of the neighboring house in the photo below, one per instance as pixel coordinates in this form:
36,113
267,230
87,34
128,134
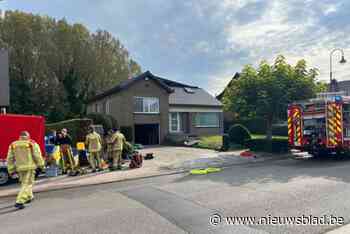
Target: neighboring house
155,108
343,86
221,95
229,116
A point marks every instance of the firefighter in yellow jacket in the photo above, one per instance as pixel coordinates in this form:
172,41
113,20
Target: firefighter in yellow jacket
94,144
118,141
24,157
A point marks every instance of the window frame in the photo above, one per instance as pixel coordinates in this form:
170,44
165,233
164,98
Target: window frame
108,107
206,125
148,105
178,119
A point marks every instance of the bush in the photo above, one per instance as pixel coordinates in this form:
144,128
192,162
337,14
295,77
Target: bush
77,128
225,142
273,146
128,132
239,134
258,126
107,121
255,125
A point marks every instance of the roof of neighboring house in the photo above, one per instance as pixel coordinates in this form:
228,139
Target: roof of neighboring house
194,96
235,77
164,83
344,84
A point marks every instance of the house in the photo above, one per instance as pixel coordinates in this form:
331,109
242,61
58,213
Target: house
343,86
155,108
229,116
221,95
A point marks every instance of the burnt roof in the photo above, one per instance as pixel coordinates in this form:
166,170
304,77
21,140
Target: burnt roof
164,83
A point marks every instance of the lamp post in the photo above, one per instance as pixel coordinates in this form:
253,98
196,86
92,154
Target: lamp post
332,84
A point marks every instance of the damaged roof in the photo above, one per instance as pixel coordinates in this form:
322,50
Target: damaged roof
179,93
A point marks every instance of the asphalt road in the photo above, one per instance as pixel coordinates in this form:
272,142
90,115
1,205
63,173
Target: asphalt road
183,203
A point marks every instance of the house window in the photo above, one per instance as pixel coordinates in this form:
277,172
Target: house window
98,108
146,105
108,107
208,120
174,122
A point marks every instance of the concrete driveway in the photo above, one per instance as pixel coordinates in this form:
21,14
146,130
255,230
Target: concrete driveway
170,157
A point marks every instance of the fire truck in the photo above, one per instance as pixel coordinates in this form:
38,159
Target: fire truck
320,126
10,128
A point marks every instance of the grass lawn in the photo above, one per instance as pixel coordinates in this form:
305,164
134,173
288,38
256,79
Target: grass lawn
210,142
261,136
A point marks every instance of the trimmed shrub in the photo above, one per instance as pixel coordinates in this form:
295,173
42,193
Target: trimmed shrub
128,132
107,121
225,142
273,146
255,125
239,134
77,128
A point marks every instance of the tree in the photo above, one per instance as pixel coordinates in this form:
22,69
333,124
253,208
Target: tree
267,90
55,67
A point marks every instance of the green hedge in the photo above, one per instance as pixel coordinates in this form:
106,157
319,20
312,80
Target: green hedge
77,128
107,121
258,126
273,146
280,130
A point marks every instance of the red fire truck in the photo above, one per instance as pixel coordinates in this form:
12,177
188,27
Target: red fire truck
10,128
320,126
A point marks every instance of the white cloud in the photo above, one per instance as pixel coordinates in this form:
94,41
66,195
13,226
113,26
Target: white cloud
279,31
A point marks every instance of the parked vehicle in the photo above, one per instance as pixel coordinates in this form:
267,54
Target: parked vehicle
320,126
10,128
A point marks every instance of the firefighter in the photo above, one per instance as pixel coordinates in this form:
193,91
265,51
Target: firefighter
24,157
65,142
118,141
109,147
94,144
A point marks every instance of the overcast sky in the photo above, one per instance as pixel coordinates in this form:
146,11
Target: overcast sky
204,42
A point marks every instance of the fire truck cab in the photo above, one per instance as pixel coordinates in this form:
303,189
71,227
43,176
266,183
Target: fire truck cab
320,126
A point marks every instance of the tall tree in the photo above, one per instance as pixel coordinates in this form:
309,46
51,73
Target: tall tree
267,91
55,67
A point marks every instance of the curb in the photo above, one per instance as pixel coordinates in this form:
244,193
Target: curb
181,171
59,188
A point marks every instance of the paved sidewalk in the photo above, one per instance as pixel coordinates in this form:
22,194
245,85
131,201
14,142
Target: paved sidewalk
168,160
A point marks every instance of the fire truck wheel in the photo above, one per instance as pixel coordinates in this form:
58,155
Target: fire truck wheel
4,177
